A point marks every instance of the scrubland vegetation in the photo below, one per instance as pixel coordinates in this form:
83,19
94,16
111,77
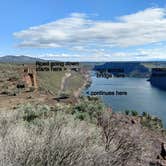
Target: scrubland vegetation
80,134
77,135
9,75
146,119
38,137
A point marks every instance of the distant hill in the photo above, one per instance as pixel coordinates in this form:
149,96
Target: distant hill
19,59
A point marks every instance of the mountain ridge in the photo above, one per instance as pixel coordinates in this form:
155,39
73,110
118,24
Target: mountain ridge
19,59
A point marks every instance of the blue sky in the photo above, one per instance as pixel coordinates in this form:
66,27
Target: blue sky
83,30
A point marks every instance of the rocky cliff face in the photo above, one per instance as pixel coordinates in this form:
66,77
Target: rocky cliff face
135,69
158,78
131,144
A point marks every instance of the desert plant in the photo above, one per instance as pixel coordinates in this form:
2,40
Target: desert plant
92,108
31,112
144,114
151,122
127,112
134,113
82,115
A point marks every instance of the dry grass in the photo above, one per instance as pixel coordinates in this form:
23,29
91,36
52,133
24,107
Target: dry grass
74,82
51,81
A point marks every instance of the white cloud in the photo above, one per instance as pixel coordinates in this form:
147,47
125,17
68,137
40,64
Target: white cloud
153,53
138,55
78,31
76,57
101,55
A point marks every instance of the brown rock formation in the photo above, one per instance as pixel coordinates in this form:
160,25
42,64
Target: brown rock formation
30,78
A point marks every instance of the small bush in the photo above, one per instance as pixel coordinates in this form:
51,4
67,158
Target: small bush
131,112
89,109
144,114
81,115
134,113
31,112
127,112
151,122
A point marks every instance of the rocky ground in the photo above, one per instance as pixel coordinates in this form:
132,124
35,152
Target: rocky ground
133,144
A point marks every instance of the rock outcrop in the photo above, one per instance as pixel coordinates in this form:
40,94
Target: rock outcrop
129,143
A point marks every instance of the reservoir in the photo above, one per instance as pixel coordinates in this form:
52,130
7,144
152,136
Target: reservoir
130,94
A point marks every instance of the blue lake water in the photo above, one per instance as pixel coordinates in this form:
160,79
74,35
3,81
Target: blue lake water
141,96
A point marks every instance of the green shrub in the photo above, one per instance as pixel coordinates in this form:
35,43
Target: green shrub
82,115
151,122
31,112
131,112
144,114
127,112
88,109
134,113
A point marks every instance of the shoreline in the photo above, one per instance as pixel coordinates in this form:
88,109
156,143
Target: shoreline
87,81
